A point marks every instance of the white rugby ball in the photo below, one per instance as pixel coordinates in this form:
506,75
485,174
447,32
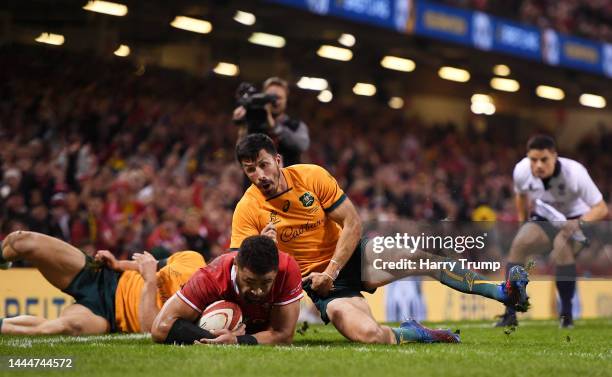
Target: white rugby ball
221,315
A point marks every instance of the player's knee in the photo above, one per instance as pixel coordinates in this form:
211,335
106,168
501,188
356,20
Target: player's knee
335,314
21,242
369,332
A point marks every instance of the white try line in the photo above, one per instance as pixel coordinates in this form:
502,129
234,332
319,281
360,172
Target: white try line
27,342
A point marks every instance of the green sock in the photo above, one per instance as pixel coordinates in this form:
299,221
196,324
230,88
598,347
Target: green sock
467,281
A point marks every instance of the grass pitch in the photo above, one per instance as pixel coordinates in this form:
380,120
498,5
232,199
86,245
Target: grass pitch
536,348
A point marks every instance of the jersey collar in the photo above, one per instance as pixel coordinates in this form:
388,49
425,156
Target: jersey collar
555,174
557,168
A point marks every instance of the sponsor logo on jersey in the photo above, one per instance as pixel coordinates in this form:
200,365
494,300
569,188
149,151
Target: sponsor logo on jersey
290,233
307,199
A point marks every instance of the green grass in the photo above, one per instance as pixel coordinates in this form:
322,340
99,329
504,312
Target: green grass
537,348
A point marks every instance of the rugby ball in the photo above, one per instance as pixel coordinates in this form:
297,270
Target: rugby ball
221,315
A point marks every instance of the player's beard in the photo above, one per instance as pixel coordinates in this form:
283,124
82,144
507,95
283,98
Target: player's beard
277,179
253,301
272,185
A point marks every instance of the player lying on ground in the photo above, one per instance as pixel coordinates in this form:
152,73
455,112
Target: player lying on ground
563,198
110,295
265,283
307,213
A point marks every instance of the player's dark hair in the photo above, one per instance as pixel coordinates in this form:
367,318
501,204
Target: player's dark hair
540,142
248,148
259,254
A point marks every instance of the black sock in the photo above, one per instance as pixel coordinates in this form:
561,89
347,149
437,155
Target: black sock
509,266
566,285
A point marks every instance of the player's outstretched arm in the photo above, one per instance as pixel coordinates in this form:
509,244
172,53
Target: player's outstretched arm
174,324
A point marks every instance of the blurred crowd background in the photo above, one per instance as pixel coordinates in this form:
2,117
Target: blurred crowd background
106,155
586,18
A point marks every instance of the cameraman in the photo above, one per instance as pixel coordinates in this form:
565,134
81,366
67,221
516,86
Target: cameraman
290,135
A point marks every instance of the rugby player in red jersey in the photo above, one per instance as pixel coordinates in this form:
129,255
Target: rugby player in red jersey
264,282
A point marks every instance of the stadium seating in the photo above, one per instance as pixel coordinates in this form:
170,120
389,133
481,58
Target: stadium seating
106,157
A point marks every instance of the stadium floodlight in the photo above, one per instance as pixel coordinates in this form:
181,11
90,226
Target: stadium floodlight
364,89
396,103
505,85
325,96
268,40
122,51
106,7
192,24
482,104
485,108
482,98
592,100
501,70
51,39
550,92
335,53
244,18
347,40
226,69
312,83
397,63
454,74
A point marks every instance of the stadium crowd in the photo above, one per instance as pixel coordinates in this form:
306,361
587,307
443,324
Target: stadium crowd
586,18
108,156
